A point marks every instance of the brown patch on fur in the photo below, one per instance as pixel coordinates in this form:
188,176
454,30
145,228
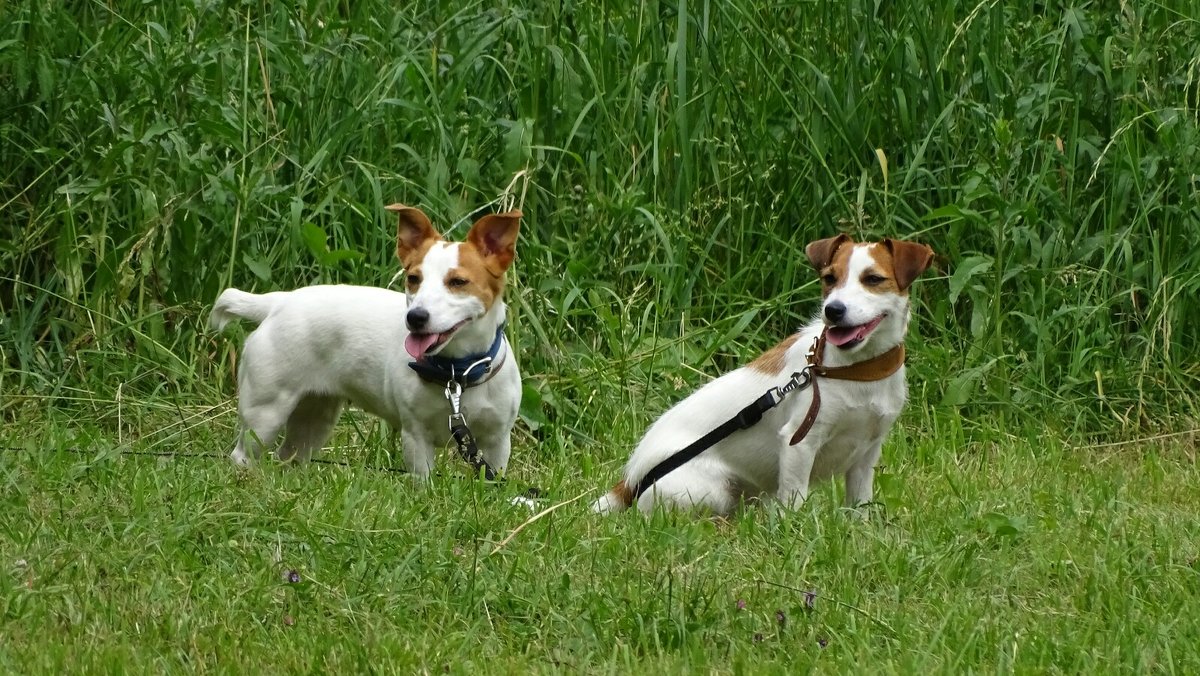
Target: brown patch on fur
414,235
820,253
899,263
487,252
481,283
833,273
623,492
909,260
884,267
773,361
495,238
411,261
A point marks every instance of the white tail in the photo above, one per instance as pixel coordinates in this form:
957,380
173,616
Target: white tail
234,304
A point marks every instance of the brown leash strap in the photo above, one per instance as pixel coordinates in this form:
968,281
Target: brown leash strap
875,368
810,417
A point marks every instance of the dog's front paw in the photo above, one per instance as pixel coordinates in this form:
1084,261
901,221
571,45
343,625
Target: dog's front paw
791,500
861,512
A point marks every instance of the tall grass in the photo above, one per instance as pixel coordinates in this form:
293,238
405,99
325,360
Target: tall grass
681,154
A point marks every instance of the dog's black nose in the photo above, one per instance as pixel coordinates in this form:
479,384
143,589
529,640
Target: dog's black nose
833,312
417,318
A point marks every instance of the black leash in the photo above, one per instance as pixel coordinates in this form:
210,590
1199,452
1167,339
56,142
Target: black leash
875,368
746,418
464,440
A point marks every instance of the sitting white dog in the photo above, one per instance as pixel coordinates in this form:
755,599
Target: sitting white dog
857,343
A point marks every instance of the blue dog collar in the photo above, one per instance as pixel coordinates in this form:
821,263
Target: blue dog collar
468,371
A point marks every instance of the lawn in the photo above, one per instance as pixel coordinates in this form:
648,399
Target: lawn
1013,552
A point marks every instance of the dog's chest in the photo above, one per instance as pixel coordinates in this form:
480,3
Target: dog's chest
487,408
852,419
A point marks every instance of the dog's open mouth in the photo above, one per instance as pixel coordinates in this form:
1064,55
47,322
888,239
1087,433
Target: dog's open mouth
421,345
847,337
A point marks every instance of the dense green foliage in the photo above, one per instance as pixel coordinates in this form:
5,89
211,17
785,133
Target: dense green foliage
680,155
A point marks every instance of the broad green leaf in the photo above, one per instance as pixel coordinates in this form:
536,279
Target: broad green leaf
964,271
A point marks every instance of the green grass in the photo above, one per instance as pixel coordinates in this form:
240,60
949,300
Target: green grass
680,155
1016,555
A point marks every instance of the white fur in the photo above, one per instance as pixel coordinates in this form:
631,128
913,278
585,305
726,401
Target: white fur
320,346
446,308
846,438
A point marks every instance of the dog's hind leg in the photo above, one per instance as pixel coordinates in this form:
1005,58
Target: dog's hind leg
309,426
260,423
263,402
692,488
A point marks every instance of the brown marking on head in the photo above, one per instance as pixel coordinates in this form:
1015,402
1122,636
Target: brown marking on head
494,238
909,260
831,258
820,253
414,236
484,256
473,277
773,361
896,265
623,493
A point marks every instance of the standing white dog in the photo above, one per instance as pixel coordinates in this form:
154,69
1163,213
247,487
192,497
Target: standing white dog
856,348
390,353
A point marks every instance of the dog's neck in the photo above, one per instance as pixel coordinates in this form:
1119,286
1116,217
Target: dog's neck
477,337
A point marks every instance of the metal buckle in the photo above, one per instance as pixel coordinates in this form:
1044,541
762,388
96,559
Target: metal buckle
799,380
454,396
467,372
812,351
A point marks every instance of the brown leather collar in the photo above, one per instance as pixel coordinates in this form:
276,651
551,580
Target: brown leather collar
875,368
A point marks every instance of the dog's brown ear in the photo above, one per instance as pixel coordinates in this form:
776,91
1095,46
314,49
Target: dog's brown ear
413,231
495,237
820,253
909,260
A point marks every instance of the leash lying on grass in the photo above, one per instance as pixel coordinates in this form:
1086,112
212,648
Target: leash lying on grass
530,493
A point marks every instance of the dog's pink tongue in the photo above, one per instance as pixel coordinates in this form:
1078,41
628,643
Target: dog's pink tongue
418,343
840,335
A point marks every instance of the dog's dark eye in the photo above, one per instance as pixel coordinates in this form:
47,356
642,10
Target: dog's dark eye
413,280
874,280
829,279
456,282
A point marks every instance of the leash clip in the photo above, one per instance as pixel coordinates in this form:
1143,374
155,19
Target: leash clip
468,450
798,381
811,357
454,396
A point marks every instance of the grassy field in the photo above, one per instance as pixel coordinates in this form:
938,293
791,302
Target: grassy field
1037,508
1015,555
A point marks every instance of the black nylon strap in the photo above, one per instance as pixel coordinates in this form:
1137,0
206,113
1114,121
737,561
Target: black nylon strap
745,418
468,450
